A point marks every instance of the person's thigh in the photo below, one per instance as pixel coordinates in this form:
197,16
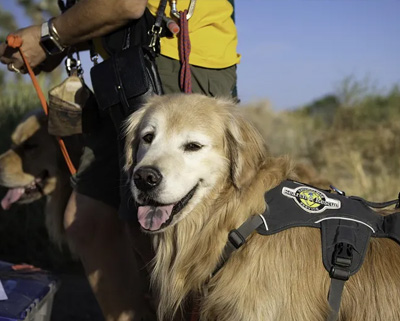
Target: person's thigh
210,82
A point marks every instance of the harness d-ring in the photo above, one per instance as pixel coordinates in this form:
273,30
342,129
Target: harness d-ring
190,10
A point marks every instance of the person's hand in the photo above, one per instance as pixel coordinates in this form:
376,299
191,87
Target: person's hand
31,48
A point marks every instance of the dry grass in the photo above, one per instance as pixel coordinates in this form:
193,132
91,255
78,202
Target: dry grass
358,150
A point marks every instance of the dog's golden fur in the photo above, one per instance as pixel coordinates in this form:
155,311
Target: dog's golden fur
35,159
278,277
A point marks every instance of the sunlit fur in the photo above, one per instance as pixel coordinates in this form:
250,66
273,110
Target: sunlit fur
279,277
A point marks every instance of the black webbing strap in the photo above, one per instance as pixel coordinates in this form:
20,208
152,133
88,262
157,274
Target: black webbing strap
237,237
160,13
377,205
340,271
334,298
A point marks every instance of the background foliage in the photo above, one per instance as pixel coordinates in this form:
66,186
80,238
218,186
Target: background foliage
350,138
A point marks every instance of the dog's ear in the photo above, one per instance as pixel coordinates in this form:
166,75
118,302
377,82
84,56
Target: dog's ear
131,127
245,148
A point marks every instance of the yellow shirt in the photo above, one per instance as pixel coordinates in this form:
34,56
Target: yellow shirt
212,33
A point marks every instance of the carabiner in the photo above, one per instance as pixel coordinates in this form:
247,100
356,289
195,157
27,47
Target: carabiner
73,65
175,11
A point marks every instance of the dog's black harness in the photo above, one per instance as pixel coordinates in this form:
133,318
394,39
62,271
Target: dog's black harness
346,224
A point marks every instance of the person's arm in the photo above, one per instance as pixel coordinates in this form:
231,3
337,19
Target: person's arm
85,20
92,18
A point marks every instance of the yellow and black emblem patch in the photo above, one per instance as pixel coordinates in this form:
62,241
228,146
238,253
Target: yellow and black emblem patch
310,199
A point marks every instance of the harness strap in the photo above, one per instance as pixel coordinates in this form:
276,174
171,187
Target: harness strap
238,237
377,205
335,297
15,42
340,273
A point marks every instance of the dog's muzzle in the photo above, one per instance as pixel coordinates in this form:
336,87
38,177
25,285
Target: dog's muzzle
146,178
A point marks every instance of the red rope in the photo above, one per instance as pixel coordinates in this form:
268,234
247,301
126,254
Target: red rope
16,43
185,80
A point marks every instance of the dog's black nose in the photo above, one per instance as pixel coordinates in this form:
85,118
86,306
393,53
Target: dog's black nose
147,177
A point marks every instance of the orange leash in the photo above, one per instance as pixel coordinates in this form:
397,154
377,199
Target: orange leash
16,43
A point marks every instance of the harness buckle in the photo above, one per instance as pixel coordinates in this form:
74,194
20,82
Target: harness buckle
236,239
342,258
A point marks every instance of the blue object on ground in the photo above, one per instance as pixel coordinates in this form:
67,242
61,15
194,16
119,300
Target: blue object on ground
29,292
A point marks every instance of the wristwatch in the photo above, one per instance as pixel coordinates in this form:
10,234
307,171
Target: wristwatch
50,40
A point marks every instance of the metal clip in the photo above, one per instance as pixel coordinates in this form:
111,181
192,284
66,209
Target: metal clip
73,65
175,11
155,34
337,190
94,57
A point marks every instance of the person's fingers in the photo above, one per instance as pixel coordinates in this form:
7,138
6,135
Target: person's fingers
12,56
10,52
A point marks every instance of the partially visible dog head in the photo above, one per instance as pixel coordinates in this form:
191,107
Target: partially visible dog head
34,168
29,167
179,148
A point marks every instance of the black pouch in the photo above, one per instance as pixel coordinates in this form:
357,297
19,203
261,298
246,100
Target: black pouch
123,82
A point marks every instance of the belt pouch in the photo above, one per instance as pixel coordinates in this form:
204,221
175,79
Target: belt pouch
123,82
66,102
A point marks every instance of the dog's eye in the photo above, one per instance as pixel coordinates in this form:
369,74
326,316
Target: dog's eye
192,147
148,138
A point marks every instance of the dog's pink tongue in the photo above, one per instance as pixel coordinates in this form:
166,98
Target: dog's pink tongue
152,217
13,195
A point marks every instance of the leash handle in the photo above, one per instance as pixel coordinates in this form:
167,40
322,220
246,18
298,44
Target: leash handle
15,42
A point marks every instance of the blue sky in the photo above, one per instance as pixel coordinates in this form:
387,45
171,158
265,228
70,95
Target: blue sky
294,51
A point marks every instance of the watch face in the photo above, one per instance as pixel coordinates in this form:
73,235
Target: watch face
50,46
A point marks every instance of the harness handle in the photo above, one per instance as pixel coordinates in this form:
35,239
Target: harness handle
15,42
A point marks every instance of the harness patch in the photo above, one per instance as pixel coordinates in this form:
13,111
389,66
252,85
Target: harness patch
311,200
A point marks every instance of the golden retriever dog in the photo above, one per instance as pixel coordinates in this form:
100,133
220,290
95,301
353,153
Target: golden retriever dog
198,170
34,168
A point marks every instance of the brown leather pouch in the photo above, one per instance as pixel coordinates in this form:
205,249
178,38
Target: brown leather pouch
66,102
